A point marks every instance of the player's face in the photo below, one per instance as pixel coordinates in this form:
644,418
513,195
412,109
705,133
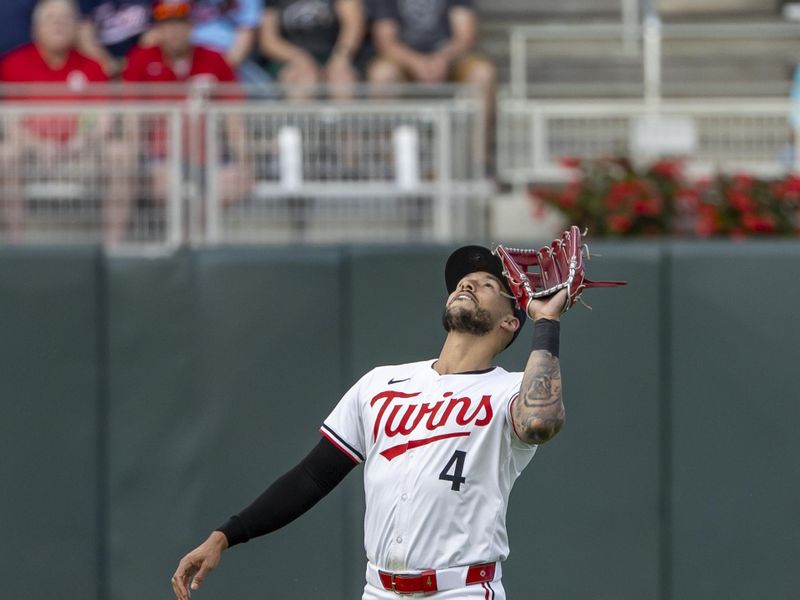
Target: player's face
477,305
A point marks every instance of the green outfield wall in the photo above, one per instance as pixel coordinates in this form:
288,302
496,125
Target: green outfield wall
145,399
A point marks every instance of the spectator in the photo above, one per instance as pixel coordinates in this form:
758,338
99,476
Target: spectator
174,58
15,23
309,42
429,41
110,28
229,27
59,143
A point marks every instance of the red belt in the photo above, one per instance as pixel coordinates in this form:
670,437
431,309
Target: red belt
425,582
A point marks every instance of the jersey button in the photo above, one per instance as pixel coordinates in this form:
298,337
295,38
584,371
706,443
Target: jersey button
404,497
399,540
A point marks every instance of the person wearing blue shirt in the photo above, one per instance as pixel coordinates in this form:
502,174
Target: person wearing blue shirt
229,27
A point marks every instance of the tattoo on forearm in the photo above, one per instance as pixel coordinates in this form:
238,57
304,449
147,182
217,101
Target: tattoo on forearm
539,411
544,389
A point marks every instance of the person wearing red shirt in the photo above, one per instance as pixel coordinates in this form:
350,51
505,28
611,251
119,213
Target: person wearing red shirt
75,147
174,59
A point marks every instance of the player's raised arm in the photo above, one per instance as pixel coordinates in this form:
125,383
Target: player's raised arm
546,282
538,410
281,503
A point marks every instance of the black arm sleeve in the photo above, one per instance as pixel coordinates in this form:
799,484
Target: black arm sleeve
291,495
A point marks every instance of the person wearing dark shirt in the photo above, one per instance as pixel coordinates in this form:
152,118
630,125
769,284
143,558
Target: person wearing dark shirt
68,144
430,41
15,23
309,42
110,28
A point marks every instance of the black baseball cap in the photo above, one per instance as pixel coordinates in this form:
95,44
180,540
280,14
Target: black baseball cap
471,259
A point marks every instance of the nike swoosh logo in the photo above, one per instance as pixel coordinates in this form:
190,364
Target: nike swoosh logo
395,451
393,381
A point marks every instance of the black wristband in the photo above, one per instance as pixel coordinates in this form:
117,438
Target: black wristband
545,336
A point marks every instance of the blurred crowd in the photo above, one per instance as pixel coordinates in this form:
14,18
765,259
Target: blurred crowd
298,42
304,46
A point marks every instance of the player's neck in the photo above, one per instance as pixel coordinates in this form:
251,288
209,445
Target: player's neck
462,352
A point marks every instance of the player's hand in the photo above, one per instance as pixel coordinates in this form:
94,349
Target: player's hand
197,564
549,307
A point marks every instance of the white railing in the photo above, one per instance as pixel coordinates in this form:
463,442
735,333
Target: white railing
323,171
90,174
626,41
758,135
167,166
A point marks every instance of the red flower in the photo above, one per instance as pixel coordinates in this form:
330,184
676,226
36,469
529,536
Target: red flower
742,181
620,192
741,202
792,185
707,221
647,207
758,223
619,223
669,169
788,189
613,201
569,162
567,199
537,193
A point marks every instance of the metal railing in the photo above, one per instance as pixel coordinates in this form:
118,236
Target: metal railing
171,165
642,44
349,170
758,136
90,174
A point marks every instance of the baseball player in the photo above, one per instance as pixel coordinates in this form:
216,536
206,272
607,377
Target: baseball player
442,442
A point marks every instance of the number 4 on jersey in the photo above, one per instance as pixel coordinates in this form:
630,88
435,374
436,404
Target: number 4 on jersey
456,463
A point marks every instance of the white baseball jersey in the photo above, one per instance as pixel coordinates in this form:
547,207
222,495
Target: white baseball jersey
440,459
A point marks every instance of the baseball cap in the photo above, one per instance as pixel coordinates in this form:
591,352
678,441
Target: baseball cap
165,10
471,259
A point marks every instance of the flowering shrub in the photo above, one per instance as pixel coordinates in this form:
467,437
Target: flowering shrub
613,198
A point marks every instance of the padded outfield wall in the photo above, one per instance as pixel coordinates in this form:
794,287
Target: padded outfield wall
143,400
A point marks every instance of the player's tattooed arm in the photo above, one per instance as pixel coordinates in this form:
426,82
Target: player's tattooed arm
538,410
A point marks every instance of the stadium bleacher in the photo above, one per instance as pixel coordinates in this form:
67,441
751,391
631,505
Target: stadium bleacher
576,50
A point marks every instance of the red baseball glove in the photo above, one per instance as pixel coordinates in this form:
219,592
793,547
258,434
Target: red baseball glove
543,272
